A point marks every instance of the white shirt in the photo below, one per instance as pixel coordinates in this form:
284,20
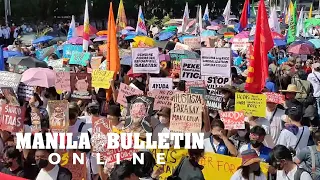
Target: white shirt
281,175
276,125
74,129
237,176
6,33
288,139
48,175
315,83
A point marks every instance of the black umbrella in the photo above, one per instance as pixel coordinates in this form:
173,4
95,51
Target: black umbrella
27,61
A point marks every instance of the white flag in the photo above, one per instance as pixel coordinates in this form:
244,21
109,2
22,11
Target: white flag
141,25
185,18
206,14
273,21
226,13
300,23
86,29
200,19
72,29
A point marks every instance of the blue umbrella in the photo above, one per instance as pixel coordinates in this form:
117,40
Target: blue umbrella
166,35
7,54
182,38
279,42
130,37
126,60
315,42
208,33
42,39
234,54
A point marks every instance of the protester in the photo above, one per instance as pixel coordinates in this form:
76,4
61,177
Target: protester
12,162
124,171
241,137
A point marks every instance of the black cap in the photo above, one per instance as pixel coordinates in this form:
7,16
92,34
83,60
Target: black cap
295,113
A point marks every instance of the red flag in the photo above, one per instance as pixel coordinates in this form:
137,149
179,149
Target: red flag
263,42
9,177
244,16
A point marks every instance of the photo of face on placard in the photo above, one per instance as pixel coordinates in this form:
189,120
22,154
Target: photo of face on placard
80,85
139,110
10,96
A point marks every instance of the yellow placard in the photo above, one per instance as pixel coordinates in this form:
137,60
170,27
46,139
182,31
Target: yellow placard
101,78
251,104
215,166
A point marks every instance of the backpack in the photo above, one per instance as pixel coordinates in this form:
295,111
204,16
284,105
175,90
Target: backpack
297,175
175,175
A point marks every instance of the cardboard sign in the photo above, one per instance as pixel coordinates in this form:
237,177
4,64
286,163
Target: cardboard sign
101,78
10,96
25,92
95,62
80,58
58,115
186,113
160,83
12,118
162,98
36,122
79,171
251,104
275,97
193,43
216,62
213,82
63,81
190,70
9,79
80,85
214,102
232,120
101,126
145,60
194,84
56,63
198,90
69,48
176,61
240,44
125,91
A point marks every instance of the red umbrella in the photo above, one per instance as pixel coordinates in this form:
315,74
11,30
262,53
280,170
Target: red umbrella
276,35
92,30
130,74
303,49
9,177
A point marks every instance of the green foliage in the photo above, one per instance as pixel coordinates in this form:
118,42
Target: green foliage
165,19
153,21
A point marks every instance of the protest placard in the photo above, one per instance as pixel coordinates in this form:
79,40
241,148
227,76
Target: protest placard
162,98
43,53
193,43
55,63
9,79
35,122
160,83
275,97
101,126
176,61
213,82
180,46
186,113
251,104
10,96
190,70
80,85
145,60
69,48
214,102
216,62
101,78
232,120
63,81
25,92
58,115
240,44
80,58
198,90
125,91
12,118
79,171
95,62
125,154
189,84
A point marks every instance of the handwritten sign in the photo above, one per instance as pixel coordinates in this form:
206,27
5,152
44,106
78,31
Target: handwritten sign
95,62
186,113
125,91
251,104
193,43
190,70
10,96
101,78
80,85
160,83
58,115
25,92
69,48
214,102
9,79
145,60
213,82
189,84
274,97
216,62
80,58
36,122
63,81
162,98
180,46
232,120
101,126
240,44
12,118
79,171
56,63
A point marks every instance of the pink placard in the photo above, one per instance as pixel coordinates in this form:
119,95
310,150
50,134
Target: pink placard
162,98
125,91
274,97
189,84
63,81
232,120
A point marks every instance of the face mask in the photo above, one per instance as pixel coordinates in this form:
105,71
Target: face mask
36,104
163,120
242,133
7,164
42,163
255,144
